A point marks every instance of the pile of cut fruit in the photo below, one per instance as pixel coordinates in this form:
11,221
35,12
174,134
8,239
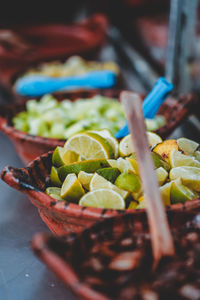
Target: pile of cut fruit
94,169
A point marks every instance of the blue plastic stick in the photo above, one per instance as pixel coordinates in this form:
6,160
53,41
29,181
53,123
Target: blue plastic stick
151,103
39,85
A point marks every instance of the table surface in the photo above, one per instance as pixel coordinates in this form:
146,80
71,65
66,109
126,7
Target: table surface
22,275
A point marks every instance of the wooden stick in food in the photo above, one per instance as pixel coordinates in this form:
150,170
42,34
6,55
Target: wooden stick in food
161,239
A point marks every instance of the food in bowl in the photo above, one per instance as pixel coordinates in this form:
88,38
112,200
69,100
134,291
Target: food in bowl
53,119
75,65
93,169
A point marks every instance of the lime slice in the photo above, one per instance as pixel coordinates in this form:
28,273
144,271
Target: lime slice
89,146
128,182
164,148
103,198
122,164
72,189
159,161
177,159
62,157
109,174
180,193
85,179
126,145
106,134
133,205
89,166
197,155
162,175
54,192
98,182
153,139
57,157
190,176
141,205
54,177
187,146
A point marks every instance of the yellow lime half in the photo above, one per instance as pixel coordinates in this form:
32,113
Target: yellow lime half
89,146
98,182
103,198
72,189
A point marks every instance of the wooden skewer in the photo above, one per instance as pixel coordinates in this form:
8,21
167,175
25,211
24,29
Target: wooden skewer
161,239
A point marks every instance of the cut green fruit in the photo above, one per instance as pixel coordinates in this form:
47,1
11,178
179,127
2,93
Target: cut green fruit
162,175
128,182
54,177
98,182
165,193
133,205
57,157
89,146
159,161
85,179
126,145
197,155
180,193
103,198
106,134
54,192
89,166
187,146
190,176
122,164
72,189
109,174
177,159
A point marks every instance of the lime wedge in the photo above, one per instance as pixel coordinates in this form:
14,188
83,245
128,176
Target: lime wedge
89,146
197,155
109,174
164,148
54,192
187,146
54,177
57,157
153,139
126,145
70,157
71,189
159,161
180,193
165,193
85,179
98,182
133,205
162,175
190,176
128,182
122,164
103,198
89,166
106,134
133,161
177,159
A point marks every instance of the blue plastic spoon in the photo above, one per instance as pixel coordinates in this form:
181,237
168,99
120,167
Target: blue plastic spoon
39,85
151,103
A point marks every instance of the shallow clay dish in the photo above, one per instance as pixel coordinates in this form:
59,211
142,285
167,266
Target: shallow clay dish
113,259
61,216
44,42
29,147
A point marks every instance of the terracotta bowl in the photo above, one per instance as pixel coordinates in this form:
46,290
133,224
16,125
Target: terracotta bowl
29,147
118,237
60,216
46,42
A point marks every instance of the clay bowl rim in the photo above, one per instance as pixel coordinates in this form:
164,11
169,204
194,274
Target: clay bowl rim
12,177
66,272
11,131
